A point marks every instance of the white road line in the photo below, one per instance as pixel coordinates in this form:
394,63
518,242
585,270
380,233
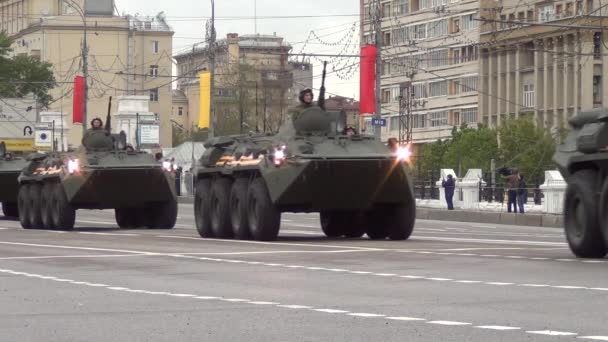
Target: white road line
498,256
597,338
73,256
278,252
496,327
439,279
468,281
330,310
406,318
448,323
263,303
363,314
109,234
552,333
385,274
295,306
491,241
498,283
75,247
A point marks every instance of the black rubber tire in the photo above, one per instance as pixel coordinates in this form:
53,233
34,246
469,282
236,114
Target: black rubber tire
377,223
238,209
23,204
581,218
123,218
64,216
162,215
355,227
333,224
401,224
46,207
603,212
35,199
201,208
264,218
219,208
10,209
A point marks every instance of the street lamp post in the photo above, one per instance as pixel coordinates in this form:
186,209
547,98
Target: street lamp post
85,64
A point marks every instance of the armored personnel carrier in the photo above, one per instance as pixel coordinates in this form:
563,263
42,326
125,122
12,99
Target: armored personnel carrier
104,173
10,167
582,159
355,182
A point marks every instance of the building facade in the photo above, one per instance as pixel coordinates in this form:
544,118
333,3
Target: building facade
433,45
253,78
127,55
543,60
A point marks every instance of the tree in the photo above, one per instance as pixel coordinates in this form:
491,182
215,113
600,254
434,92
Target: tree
471,148
431,158
23,75
527,147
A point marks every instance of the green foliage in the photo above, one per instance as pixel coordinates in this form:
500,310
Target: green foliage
23,75
518,143
526,147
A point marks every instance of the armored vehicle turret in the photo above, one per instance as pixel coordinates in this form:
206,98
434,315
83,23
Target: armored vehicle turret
103,173
10,167
582,159
354,181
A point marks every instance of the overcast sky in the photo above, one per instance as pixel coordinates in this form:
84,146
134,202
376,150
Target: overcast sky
188,17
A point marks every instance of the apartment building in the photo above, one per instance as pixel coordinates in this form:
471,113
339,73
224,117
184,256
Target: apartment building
544,60
433,45
253,76
128,55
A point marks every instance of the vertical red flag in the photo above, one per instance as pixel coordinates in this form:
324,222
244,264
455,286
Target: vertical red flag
78,107
367,94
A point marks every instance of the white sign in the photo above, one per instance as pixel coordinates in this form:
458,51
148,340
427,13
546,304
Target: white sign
17,118
149,134
44,136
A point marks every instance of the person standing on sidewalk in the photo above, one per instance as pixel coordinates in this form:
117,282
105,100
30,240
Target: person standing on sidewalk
450,186
522,193
512,185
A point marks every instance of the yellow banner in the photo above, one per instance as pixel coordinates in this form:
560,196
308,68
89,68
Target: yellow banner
205,99
19,145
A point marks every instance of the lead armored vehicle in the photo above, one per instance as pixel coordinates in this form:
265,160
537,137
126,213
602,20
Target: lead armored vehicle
355,182
10,167
582,159
104,173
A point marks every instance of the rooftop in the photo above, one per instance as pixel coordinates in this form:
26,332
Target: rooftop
157,23
247,41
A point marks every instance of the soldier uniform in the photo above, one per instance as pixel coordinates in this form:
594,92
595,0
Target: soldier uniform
297,110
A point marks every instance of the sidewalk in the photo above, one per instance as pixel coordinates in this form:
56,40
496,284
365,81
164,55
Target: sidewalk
475,216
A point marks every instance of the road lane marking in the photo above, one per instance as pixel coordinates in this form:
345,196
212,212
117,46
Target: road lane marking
278,305
518,257
72,256
597,338
109,234
448,323
76,247
552,333
491,241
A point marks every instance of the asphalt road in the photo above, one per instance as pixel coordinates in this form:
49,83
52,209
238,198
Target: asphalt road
451,281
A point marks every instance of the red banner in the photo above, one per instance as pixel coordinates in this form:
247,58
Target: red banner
78,108
367,86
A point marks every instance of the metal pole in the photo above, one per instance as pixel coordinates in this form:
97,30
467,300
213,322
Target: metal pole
212,70
257,129
378,28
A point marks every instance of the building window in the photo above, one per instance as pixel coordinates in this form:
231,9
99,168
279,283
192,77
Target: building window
546,13
437,28
153,95
153,71
386,95
420,91
465,85
597,45
420,31
439,118
530,15
419,121
568,12
528,96
597,91
155,46
438,58
455,25
468,115
438,88
180,111
469,22
386,38
386,10
400,7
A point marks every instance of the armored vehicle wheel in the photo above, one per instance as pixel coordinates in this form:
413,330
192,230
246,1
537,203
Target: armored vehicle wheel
201,208
162,215
334,223
238,209
356,225
64,216
401,221
10,209
220,208
46,208
264,218
377,225
131,217
35,200
604,211
581,217
23,204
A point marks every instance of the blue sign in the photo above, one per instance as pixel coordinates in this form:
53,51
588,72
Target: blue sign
379,122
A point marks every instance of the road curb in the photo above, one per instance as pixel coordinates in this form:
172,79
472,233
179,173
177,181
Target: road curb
535,220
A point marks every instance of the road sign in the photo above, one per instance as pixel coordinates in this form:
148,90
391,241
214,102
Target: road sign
379,122
19,145
43,135
149,134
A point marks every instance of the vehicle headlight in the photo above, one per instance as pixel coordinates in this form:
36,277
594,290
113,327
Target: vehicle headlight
73,166
167,166
279,155
404,153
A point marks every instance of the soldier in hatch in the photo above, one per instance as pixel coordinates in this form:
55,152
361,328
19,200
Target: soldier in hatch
96,137
305,98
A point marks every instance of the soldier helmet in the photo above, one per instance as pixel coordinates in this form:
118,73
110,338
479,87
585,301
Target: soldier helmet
96,119
303,92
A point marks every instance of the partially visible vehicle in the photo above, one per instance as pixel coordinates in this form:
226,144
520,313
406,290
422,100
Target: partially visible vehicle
10,168
582,159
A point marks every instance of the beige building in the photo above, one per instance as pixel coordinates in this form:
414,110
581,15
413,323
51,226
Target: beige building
253,77
434,45
538,62
127,55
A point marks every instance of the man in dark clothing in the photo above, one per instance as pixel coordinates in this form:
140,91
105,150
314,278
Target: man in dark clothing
449,186
305,98
522,193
